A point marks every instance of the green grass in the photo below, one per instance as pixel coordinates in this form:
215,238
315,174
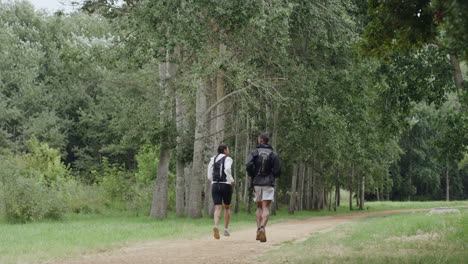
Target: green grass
84,233
402,238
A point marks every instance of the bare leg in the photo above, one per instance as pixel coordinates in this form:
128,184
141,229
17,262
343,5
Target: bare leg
266,212
227,215
259,214
217,213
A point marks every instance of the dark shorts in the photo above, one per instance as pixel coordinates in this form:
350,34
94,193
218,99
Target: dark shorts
221,193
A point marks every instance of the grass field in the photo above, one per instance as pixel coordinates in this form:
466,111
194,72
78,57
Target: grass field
403,238
82,233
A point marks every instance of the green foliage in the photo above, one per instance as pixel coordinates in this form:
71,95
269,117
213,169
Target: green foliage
434,144
147,160
404,25
26,197
37,185
115,181
46,161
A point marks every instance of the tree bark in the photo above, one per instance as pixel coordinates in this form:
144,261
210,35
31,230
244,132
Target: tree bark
188,177
167,71
220,117
447,185
159,206
351,189
292,199
180,188
457,74
198,172
247,149
301,187
308,189
314,190
337,197
274,144
211,142
235,165
182,124
362,192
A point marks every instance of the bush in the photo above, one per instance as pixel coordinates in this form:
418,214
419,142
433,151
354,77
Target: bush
148,163
141,199
31,184
27,200
115,181
80,198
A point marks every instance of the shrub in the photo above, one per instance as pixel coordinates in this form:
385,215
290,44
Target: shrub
115,181
31,184
148,162
46,161
81,198
24,200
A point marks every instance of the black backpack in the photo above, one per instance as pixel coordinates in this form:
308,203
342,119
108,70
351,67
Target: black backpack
218,169
263,161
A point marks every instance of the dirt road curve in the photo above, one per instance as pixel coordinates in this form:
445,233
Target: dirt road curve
241,247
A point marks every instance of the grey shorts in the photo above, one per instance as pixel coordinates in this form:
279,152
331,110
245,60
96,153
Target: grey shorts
264,193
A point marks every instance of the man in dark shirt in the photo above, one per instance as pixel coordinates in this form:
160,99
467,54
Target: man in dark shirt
263,167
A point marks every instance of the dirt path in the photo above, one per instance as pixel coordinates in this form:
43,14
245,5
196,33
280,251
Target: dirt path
241,247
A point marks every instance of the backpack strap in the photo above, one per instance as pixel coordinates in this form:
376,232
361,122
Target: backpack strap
222,166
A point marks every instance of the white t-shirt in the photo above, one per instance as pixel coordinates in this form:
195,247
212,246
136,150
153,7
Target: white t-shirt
227,169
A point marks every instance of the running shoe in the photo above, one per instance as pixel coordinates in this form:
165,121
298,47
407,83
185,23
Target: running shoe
262,235
216,232
226,232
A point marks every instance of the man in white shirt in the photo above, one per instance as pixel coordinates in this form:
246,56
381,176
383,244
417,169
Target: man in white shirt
219,173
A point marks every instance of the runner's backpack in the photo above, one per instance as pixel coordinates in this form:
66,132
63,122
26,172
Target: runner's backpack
218,169
263,161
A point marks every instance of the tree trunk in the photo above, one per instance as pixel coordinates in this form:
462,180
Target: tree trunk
308,189
314,190
301,186
358,194
337,197
182,123
457,74
274,144
351,189
292,199
220,117
378,194
212,144
235,165
362,192
447,185
198,171
247,149
188,177
322,198
350,199
167,71
159,206
180,188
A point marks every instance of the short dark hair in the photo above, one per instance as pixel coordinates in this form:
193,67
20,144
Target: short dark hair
222,148
264,137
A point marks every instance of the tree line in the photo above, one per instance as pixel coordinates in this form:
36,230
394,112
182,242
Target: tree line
140,94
